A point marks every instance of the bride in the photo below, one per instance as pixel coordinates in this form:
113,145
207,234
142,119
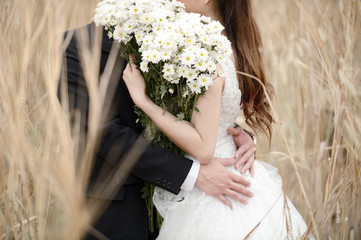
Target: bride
193,214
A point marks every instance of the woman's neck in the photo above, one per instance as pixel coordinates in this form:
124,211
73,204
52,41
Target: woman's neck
213,12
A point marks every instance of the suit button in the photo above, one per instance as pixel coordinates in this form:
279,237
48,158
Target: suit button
164,183
157,180
169,185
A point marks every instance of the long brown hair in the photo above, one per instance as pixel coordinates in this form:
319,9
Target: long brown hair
241,29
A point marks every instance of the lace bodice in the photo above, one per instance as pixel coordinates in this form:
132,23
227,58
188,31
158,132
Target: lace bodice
230,109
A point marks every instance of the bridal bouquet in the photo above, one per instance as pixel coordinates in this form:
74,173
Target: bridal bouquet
177,53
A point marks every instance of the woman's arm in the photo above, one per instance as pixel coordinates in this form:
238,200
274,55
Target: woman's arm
197,138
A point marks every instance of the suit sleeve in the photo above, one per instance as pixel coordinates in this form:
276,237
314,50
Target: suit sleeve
156,165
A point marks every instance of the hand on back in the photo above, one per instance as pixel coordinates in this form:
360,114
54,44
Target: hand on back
246,150
215,180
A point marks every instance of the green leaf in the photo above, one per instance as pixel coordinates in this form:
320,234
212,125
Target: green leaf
163,91
180,116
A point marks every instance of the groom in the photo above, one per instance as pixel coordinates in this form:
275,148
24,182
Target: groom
126,214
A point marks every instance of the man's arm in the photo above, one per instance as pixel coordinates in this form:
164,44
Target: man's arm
155,165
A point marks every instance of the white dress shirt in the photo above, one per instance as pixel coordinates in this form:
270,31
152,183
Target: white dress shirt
191,178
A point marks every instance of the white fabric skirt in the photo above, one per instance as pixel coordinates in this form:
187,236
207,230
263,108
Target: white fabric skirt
269,214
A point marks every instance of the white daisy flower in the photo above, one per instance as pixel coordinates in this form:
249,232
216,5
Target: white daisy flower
130,25
144,66
211,66
205,81
146,55
201,65
148,39
145,19
158,41
165,55
183,71
185,93
191,74
188,58
155,56
175,79
110,34
194,87
216,26
220,58
120,34
205,19
169,78
136,9
139,37
168,69
202,54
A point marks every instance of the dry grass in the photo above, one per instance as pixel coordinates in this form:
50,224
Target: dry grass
312,56
41,195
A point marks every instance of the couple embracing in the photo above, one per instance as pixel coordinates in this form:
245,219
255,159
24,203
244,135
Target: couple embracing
218,191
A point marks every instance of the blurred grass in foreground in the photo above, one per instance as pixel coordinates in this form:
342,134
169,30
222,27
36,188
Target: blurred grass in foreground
312,55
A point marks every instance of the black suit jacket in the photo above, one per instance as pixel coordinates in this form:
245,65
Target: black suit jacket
156,165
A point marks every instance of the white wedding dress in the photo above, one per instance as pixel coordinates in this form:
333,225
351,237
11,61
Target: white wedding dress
194,215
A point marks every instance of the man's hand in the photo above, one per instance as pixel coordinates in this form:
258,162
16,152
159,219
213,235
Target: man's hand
245,152
215,180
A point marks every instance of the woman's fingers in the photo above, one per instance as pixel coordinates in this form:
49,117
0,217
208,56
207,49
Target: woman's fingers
247,165
234,131
244,157
131,70
252,169
125,72
240,151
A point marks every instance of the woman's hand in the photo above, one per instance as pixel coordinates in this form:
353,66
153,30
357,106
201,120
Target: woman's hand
246,149
134,80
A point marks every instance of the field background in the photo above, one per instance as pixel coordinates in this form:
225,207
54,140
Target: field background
312,56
